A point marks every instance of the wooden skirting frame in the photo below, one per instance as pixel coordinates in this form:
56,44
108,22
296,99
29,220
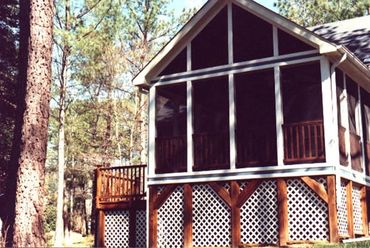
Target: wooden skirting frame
235,198
133,207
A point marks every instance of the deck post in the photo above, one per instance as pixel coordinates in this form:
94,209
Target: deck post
235,214
101,228
132,227
332,210
351,232
283,211
153,217
329,114
365,225
188,216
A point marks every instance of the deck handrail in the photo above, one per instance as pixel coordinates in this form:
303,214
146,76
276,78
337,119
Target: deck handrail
304,142
120,184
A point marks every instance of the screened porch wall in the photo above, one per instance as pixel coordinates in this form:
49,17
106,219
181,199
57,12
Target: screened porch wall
353,104
230,121
255,130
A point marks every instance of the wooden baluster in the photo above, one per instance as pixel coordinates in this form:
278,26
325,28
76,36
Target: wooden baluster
309,142
291,142
321,141
296,128
304,141
316,142
285,133
120,181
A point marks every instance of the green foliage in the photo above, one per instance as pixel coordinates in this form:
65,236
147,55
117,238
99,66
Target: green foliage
99,47
315,12
8,78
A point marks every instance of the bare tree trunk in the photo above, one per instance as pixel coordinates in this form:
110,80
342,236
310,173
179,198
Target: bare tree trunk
26,184
59,227
60,197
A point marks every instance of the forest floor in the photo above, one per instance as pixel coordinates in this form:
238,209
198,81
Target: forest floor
75,240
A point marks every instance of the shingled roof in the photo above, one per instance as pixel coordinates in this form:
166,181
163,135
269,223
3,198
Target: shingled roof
352,33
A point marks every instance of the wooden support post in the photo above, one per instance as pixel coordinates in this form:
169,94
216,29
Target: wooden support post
100,229
98,188
132,227
283,212
235,214
365,225
351,232
332,210
153,217
188,216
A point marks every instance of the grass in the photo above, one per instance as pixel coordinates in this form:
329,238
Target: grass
77,240
348,245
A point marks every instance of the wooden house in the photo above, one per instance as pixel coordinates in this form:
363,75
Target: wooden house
259,134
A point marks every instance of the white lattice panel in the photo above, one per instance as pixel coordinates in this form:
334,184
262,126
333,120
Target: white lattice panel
342,209
259,216
357,212
171,220
140,229
242,185
307,213
117,229
211,218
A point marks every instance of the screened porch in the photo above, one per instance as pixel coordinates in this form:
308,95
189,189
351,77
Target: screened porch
212,127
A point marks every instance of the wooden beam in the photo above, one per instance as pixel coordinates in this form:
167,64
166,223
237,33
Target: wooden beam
101,229
188,216
317,187
153,217
221,192
163,196
132,227
247,192
351,232
332,210
235,215
365,225
98,187
283,211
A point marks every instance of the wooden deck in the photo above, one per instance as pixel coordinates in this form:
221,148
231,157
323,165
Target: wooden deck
119,189
119,186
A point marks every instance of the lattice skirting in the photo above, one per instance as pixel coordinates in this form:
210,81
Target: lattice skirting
211,210
118,225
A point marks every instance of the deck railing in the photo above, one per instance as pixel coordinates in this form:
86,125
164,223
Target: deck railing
120,184
304,142
256,148
356,151
343,155
170,153
211,151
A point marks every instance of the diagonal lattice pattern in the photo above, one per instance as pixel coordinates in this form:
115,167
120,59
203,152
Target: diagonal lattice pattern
140,229
211,218
171,220
259,216
242,185
307,213
357,210
342,209
117,225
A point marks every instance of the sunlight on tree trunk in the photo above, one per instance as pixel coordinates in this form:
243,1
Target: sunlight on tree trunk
31,138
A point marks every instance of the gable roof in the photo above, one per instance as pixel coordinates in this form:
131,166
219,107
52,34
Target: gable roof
206,14
352,33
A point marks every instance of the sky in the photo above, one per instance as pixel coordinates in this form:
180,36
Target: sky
179,5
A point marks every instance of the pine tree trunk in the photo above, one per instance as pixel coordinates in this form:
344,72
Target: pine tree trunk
26,194
59,227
